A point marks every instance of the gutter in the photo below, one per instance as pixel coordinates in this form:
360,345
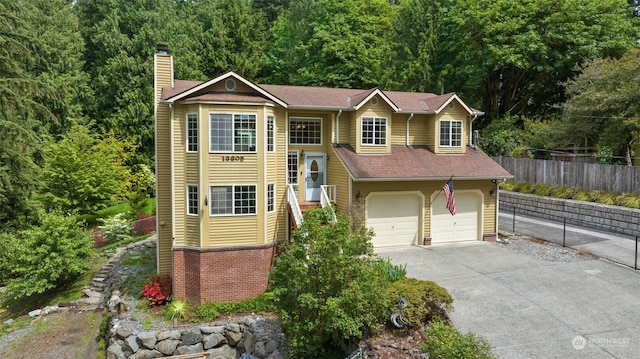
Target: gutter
338,126
407,136
473,145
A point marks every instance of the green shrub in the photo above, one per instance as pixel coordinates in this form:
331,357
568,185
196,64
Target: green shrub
117,228
178,309
631,201
540,189
426,299
445,342
325,289
391,272
582,195
508,186
207,311
48,255
561,192
607,198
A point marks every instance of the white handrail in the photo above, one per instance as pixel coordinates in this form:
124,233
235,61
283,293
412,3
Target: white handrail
326,201
295,206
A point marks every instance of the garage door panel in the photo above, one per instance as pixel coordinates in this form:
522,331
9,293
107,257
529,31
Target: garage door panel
395,219
461,227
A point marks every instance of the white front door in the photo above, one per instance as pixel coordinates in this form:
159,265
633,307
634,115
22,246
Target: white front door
314,166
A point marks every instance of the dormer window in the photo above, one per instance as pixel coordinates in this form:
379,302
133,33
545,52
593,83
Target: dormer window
374,131
450,133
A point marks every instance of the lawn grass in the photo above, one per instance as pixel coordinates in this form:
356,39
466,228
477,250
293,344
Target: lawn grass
149,209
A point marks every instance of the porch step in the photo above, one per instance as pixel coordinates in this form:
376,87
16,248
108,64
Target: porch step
304,206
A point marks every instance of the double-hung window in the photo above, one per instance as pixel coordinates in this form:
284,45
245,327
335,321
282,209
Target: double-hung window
305,131
292,167
192,200
374,131
192,132
233,200
270,137
450,133
232,132
271,197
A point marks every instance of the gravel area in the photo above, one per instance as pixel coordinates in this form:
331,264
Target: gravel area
6,339
541,249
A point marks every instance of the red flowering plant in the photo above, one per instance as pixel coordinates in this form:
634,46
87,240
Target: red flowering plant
157,290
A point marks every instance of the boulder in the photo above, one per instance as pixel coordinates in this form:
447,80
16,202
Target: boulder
233,338
146,354
167,346
147,339
169,334
131,343
191,337
249,342
189,349
114,351
213,341
224,352
212,330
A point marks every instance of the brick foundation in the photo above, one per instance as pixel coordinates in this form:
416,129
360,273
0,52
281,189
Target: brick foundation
224,274
489,237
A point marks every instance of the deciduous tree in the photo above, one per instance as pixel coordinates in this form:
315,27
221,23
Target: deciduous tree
603,106
511,56
84,172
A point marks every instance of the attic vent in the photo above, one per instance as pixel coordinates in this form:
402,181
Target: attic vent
230,84
374,101
451,105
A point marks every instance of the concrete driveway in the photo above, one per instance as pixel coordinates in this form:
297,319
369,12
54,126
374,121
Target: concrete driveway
532,308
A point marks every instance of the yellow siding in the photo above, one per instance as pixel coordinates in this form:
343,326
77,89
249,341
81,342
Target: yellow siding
458,114
163,194
418,129
192,230
236,172
231,230
374,111
337,175
430,123
163,77
179,176
345,131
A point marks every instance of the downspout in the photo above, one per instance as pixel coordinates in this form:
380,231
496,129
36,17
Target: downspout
407,136
473,145
497,207
338,126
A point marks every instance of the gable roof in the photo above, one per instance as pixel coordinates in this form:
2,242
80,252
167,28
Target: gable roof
307,97
203,85
419,163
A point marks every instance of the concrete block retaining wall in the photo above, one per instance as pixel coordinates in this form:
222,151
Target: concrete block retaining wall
600,216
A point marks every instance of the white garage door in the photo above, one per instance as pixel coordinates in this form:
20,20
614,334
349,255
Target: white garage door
395,219
464,226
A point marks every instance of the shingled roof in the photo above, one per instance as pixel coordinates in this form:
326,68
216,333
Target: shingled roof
307,97
419,163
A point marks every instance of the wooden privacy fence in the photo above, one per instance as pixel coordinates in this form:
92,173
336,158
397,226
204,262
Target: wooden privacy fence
591,176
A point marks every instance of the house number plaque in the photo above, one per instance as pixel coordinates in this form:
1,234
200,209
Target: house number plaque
232,158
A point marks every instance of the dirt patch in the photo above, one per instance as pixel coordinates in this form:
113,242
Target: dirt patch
64,334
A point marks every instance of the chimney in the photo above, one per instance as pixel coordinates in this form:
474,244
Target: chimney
162,72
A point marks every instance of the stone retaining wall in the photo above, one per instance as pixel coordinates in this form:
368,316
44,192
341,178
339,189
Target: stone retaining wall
608,218
250,335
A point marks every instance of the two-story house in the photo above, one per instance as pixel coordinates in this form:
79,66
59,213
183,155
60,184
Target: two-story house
236,159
